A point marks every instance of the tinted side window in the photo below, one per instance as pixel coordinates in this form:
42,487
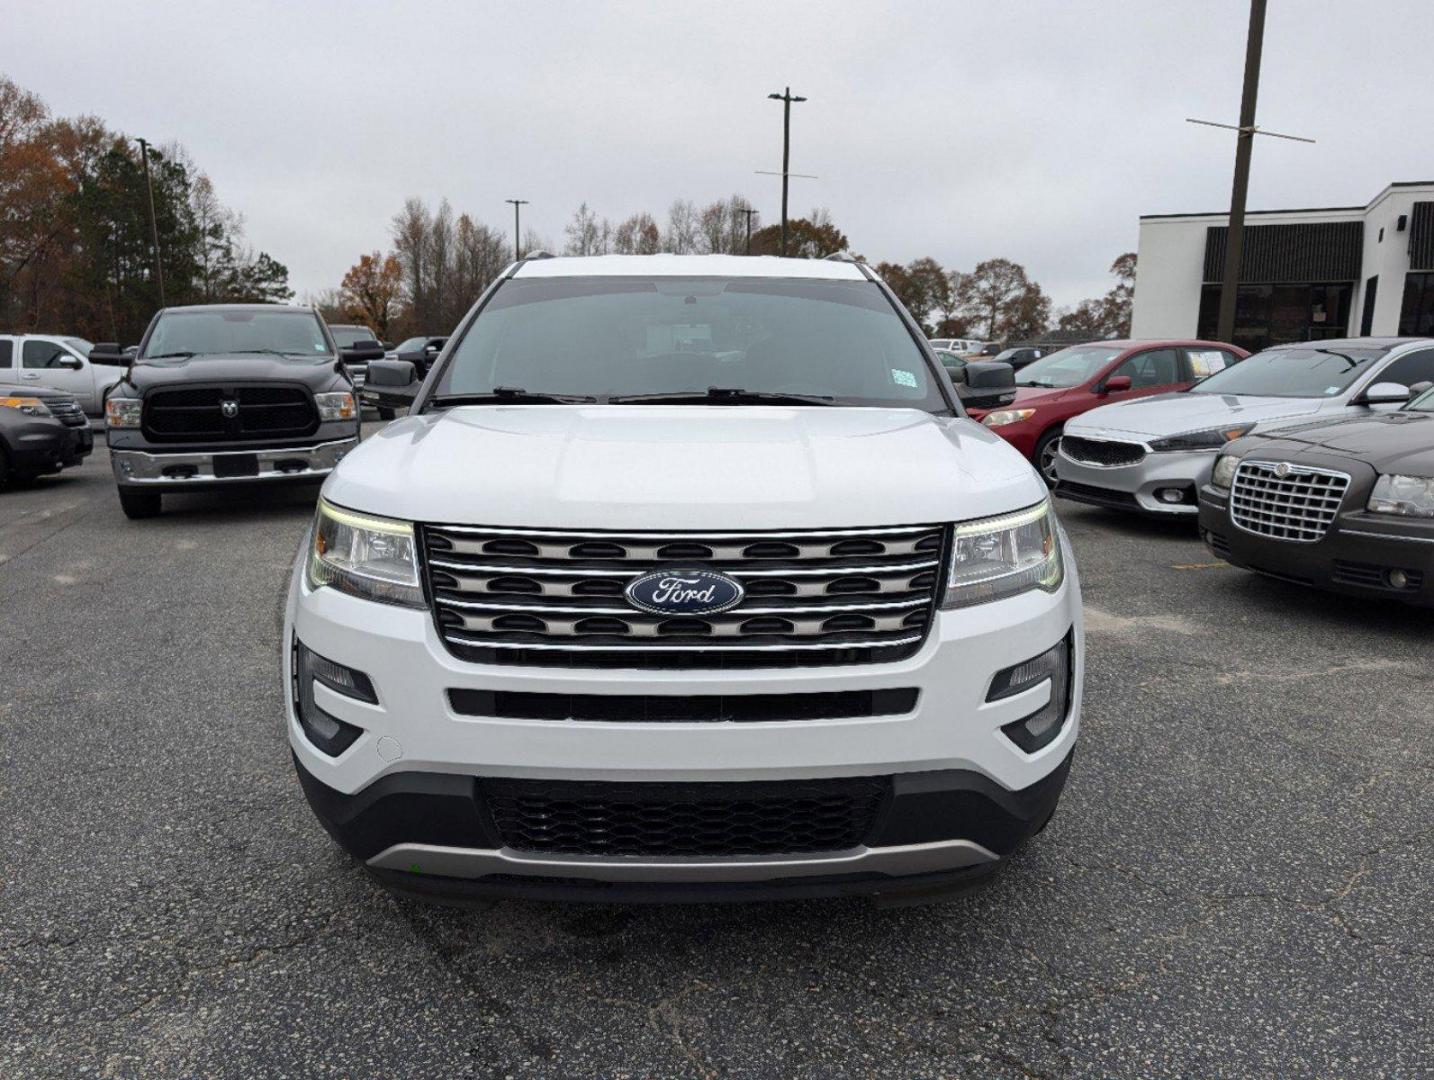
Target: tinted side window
1407,370
41,354
1158,367
7,353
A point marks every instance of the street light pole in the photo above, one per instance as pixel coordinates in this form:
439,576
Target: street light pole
153,225
748,212
517,205
786,98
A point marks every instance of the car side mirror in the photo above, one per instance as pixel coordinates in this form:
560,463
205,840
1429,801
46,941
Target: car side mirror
1115,384
110,354
69,362
361,351
1385,393
392,381
987,384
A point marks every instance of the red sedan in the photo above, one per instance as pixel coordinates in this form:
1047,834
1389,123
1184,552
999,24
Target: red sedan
1067,383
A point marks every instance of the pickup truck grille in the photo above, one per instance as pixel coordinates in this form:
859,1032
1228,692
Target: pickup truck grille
189,413
1283,501
67,411
522,596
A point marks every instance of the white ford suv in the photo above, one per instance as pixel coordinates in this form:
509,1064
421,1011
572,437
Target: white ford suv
685,577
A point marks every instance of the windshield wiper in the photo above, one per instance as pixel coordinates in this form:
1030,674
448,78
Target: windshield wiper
721,395
512,395
267,352
169,356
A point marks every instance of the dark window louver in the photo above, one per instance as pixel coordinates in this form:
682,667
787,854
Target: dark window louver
1302,252
1421,237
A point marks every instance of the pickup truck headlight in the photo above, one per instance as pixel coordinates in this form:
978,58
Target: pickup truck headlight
1201,440
123,412
1408,496
365,556
1002,556
30,406
335,406
1223,474
1002,417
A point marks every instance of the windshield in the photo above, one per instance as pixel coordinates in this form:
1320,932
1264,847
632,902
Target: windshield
79,344
412,344
1423,403
351,335
1292,372
1069,367
619,336
203,332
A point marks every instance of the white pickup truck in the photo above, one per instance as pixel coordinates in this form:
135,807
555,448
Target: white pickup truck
686,577
59,362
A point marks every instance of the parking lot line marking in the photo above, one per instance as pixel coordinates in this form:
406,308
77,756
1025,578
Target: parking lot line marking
1198,565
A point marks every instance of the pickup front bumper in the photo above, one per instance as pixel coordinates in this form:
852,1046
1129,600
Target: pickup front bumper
186,469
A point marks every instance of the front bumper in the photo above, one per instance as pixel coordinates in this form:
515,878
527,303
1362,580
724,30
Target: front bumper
42,445
143,468
414,742
1135,487
1355,557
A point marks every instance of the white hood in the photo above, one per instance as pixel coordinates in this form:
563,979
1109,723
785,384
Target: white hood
683,467
1175,414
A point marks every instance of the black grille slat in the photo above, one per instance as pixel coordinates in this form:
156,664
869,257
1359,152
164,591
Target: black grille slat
851,592
683,709
684,820
1101,451
197,412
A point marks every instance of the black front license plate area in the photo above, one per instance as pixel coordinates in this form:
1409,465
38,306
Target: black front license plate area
227,465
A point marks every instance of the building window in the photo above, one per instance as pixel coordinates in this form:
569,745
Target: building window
1268,315
1371,293
1416,316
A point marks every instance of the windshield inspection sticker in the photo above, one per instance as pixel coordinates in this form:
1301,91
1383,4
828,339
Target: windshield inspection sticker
903,378
1331,390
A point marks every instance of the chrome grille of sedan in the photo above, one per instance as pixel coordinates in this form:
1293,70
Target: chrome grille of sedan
1285,501
558,598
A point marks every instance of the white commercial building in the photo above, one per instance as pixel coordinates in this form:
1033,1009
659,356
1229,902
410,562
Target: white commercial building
1305,275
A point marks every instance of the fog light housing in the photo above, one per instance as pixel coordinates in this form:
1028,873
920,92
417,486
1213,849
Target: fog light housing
1041,727
1398,579
1171,495
330,734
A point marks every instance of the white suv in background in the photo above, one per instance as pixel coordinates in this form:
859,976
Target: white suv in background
686,576
61,363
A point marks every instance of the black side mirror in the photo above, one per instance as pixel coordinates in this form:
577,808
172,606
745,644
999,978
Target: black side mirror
987,384
392,381
361,351
110,354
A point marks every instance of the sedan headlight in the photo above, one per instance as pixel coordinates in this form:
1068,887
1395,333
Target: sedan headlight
1201,440
1002,556
1410,496
1223,474
123,412
30,406
335,406
366,556
1002,417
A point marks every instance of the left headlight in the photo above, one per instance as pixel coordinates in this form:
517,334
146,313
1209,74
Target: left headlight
123,412
1201,440
366,556
1003,556
1409,496
30,406
335,406
1002,417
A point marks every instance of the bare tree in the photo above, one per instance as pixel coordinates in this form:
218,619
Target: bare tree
584,233
637,235
682,228
410,244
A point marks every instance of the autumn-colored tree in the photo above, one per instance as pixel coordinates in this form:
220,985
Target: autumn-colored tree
371,290
1108,316
811,237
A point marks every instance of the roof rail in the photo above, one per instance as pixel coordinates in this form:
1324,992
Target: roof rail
538,255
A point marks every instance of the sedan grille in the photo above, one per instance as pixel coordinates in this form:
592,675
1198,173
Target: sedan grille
229,413
1101,452
684,820
1285,501
523,596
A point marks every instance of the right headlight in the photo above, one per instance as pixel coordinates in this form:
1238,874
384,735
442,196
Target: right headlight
994,558
123,412
1223,474
366,556
1408,496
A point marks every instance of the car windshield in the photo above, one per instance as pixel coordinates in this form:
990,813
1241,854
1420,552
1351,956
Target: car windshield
1423,403
206,332
79,344
1069,367
612,337
412,344
942,343
351,335
1304,371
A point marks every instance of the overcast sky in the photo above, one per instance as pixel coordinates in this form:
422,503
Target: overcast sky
1038,131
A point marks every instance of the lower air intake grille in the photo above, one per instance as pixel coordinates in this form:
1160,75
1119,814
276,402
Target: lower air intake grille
759,818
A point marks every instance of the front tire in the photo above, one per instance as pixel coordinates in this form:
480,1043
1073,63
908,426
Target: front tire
1046,449
138,504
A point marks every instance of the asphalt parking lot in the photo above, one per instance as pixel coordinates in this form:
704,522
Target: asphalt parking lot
1237,882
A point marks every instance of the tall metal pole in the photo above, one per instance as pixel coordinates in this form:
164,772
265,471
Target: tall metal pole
786,98
153,225
748,211
517,204
1244,143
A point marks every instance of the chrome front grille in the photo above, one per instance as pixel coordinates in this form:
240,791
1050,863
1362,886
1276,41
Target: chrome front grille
1285,501
834,596
67,410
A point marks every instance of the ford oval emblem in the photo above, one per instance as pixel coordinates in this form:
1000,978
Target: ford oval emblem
684,592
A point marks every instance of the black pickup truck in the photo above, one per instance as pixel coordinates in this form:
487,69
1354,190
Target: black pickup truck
226,396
